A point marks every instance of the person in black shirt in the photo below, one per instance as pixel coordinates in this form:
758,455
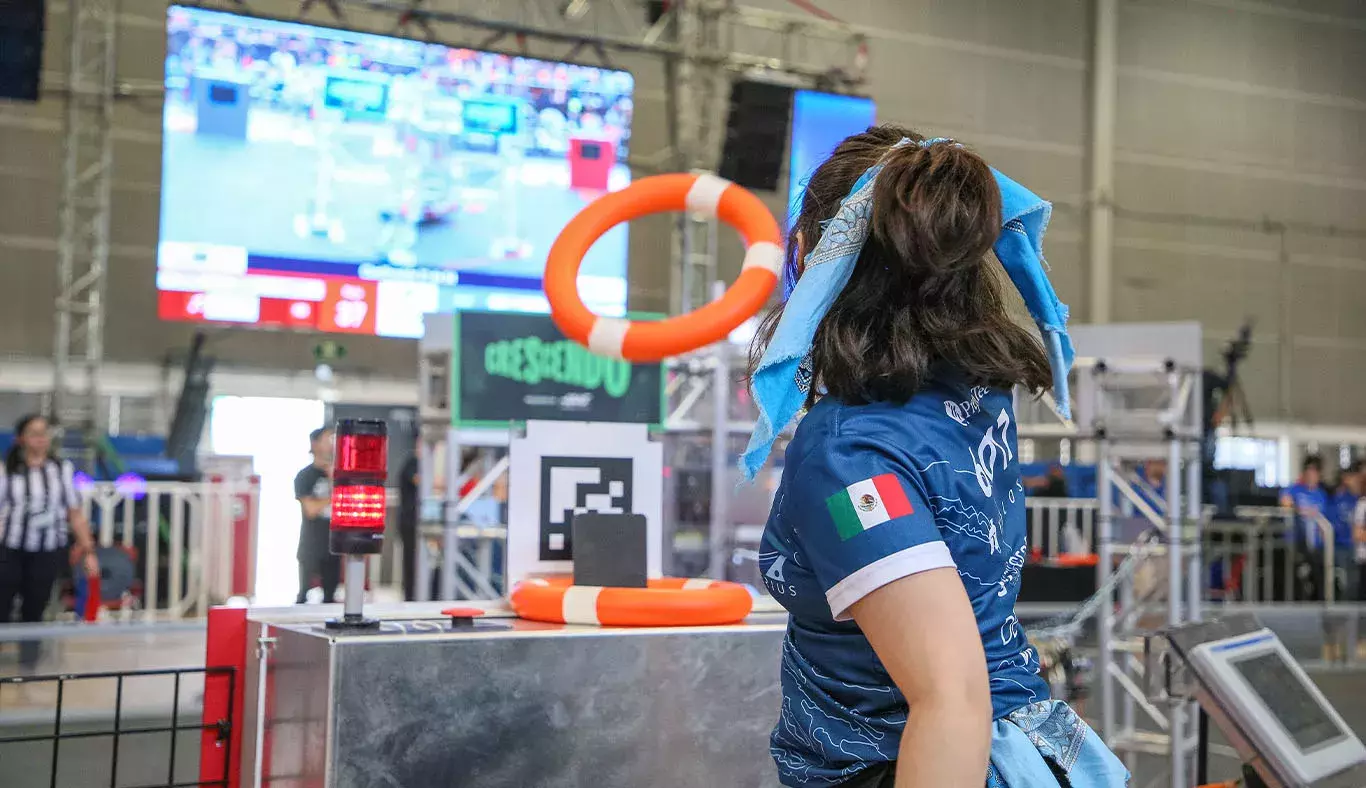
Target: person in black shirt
408,509
1053,485
313,489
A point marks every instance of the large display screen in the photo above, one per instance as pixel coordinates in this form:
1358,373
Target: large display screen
1284,695
322,179
820,121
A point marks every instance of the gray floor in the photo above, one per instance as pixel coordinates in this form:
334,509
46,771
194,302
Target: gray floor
143,759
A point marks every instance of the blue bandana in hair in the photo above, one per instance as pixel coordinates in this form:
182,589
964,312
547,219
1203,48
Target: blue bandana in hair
777,382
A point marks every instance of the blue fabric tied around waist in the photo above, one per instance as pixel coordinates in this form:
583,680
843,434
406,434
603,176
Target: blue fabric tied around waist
780,382
1027,740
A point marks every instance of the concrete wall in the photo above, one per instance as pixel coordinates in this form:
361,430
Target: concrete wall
1235,119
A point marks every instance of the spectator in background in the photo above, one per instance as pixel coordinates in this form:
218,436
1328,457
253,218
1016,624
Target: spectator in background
1053,484
313,490
1154,472
1345,501
40,510
1359,537
1310,503
409,514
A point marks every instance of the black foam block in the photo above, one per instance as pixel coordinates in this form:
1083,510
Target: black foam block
609,550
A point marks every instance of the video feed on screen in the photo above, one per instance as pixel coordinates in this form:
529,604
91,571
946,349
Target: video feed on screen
338,181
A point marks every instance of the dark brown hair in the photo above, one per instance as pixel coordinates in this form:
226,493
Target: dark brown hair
922,292
14,458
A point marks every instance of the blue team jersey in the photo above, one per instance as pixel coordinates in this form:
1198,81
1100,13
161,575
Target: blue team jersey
870,494
1309,499
1344,511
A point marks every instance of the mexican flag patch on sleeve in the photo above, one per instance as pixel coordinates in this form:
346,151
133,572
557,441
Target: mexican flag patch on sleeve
868,503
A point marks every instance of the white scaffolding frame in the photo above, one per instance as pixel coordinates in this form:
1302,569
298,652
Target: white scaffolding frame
1145,409
83,246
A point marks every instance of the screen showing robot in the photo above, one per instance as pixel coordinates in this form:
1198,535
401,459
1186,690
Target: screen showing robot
1298,712
322,179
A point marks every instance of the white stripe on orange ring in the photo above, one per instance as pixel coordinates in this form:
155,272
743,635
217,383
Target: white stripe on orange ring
580,605
765,255
697,582
607,336
705,194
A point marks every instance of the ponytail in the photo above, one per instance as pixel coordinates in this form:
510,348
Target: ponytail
924,292
936,208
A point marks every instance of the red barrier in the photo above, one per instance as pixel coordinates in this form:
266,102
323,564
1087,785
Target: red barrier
224,695
92,598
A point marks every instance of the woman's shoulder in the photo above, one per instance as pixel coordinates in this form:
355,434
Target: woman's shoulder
899,431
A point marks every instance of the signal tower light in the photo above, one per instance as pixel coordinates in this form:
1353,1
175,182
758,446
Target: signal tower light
360,469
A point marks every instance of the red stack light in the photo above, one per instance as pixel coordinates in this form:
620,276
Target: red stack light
358,493
358,506
362,457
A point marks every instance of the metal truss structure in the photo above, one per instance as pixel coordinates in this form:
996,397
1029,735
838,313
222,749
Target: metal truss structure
703,391
1142,411
83,246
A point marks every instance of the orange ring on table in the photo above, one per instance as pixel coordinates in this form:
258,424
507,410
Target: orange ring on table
704,194
666,602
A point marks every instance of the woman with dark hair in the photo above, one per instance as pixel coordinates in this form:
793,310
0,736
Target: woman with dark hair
40,509
897,535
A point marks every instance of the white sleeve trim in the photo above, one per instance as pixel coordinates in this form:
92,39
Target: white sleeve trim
904,563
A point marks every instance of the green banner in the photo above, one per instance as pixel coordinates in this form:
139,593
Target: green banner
513,366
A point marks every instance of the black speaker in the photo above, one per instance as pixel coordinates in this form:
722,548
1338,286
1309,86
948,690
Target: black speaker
21,48
756,134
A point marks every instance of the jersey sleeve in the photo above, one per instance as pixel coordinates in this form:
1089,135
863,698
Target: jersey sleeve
862,519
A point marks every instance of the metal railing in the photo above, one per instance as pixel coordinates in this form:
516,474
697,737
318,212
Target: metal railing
193,543
1259,555
1061,526
220,730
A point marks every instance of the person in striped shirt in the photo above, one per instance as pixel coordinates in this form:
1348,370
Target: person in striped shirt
40,512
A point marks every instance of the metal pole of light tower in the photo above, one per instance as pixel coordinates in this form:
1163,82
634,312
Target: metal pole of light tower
681,77
1100,188
719,531
83,245
1195,514
1176,586
1105,564
1195,517
426,481
450,520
